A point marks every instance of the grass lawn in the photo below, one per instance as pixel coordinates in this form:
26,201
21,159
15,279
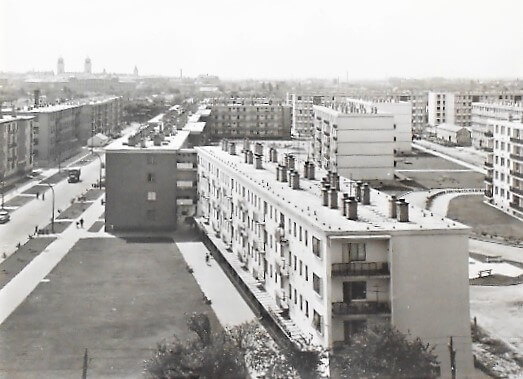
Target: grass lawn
426,161
59,227
96,227
93,194
431,180
56,178
484,219
74,211
21,258
114,298
18,201
40,188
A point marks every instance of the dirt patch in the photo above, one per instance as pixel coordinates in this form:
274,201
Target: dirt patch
117,300
496,280
93,194
56,178
39,188
74,211
59,227
484,219
18,201
442,179
96,227
16,262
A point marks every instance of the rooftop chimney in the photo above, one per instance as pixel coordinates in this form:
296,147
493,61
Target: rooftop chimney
311,171
283,173
291,162
246,144
333,198
249,157
325,196
232,148
344,198
366,194
306,169
358,190
258,162
274,155
392,207
403,210
352,208
295,180
258,148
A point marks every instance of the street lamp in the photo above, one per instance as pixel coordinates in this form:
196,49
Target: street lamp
52,215
98,156
3,188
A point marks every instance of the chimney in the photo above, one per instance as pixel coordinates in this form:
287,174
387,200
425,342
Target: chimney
258,162
358,190
37,97
352,208
258,148
278,173
311,171
283,173
232,148
224,145
392,207
325,196
344,198
245,154
295,180
291,162
333,198
306,170
403,210
366,194
274,155
249,157
246,144
334,180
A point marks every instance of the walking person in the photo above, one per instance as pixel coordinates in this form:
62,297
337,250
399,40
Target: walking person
36,230
81,223
43,196
37,194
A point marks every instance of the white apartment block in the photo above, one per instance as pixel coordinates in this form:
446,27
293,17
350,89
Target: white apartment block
337,257
456,107
303,113
504,164
486,114
353,143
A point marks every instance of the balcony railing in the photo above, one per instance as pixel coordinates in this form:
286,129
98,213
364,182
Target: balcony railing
519,191
488,164
516,206
517,157
516,174
488,194
517,140
488,149
361,308
360,268
488,179
489,134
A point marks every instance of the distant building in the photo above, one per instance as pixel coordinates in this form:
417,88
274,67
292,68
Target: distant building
135,71
329,265
255,118
98,140
302,112
486,114
159,192
504,163
60,67
357,145
457,135
16,146
87,66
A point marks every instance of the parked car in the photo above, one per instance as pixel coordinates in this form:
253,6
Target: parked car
4,216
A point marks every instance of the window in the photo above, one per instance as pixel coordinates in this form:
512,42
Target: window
316,247
151,196
301,267
354,291
316,321
150,177
306,308
316,283
306,238
354,252
306,273
301,303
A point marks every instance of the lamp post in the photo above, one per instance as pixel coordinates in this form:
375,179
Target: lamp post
52,215
98,156
3,188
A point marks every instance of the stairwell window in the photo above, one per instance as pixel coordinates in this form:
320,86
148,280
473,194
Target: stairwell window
151,196
316,283
316,247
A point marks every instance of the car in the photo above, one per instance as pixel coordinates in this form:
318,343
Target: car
4,216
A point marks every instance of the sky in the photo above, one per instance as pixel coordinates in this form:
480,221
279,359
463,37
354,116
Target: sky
267,39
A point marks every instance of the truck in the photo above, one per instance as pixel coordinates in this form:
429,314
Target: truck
73,175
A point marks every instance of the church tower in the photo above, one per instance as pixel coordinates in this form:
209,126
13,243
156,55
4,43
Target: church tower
87,66
60,67
135,71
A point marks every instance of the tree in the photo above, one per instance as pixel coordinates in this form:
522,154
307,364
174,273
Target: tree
385,352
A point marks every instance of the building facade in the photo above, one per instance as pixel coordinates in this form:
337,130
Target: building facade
454,134
16,146
504,163
102,115
159,193
335,264
486,114
354,144
254,118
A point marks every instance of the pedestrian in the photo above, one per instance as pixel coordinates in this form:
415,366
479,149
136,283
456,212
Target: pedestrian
36,230
81,223
37,194
43,196
77,224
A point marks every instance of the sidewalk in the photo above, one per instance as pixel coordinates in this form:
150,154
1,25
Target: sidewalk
15,292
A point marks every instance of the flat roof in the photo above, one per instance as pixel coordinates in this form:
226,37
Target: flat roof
53,108
9,118
170,143
306,202
195,127
157,118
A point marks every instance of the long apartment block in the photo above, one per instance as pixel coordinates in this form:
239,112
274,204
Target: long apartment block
335,255
16,145
357,145
503,132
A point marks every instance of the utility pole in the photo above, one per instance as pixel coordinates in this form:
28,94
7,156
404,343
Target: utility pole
84,368
52,214
3,189
452,353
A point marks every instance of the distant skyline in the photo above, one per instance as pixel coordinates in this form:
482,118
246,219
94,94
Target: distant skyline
269,39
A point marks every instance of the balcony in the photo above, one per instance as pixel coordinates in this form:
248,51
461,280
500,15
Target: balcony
517,157
516,174
518,191
488,134
488,194
361,308
516,207
518,140
489,165
488,149
360,269
488,179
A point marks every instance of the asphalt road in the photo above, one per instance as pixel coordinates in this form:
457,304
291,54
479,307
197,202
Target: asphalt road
38,212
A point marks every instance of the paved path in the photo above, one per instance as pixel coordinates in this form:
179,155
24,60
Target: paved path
227,303
15,292
448,157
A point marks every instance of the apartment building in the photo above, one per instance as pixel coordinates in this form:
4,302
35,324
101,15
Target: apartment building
303,113
504,163
335,256
16,146
354,143
104,115
456,107
486,114
159,192
256,118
